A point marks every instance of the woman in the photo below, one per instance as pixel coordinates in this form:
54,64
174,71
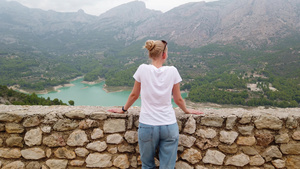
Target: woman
157,122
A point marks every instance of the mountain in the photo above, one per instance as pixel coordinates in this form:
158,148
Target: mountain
249,23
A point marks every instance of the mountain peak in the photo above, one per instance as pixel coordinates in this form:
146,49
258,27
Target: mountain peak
132,11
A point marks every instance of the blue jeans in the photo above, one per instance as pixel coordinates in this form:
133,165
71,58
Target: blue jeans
165,137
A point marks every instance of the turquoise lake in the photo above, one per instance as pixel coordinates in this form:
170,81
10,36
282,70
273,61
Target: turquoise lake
92,95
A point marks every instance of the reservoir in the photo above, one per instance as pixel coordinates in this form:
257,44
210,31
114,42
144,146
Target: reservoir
92,95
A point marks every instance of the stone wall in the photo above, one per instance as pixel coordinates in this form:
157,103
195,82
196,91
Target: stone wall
59,137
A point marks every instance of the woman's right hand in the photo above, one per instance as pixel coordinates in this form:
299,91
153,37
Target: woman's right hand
193,111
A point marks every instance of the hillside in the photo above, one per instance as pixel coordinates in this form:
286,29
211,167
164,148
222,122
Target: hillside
245,38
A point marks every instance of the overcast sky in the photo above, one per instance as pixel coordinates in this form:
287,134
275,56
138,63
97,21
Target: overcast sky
96,7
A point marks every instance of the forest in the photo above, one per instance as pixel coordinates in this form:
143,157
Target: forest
17,98
213,73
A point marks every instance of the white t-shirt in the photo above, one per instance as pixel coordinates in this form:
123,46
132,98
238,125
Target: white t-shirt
156,93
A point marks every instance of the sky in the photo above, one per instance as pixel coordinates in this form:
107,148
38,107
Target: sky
97,7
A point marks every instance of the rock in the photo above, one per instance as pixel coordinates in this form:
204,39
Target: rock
214,157
1,142
282,138
4,117
99,160
256,160
187,141
246,141
76,163
77,138
228,137
121,161
191,155
75,114
183,165
2,127
130,122
57,164
88,123
114,139
112,150
200,167
268,166
291,122
97,133
14,141
271,152
97,146
292,162
206,133
249,150
190,126
14,128
245,119
229,149
131,137
278,163
46,129
268,122
64,153
246,130
126,148
54,140
291,148
14,165
33,137
65,125
239,160
33,153
133,162
114,126
81,152
212,121
296,135
10,153
264,138
204,144
31,121
98,116
33,165
48,152
230,122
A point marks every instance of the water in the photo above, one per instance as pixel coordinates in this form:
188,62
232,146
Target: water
92,95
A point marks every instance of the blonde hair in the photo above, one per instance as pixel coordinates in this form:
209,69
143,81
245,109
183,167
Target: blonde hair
155,48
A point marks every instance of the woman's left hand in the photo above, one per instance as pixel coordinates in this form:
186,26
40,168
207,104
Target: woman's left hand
116,110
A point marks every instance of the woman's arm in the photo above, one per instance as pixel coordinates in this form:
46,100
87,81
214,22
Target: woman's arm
180,102
134,95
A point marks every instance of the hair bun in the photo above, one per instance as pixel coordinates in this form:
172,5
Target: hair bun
150,44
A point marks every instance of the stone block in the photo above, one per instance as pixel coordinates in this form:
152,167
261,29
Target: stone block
97,146
230,122
191,155
99,160
97,133
271,152
190,126
239,160
121,161
64,153
33,153
77,138
212,121
114,126
65,125
81,152
214,157
131,137
57,164
33,137
291,148
114,139
187,141
14,128
54,140
4,117
75,114
31,121
15,164
268,122
246,141
10,153
228,137
246,130
206,133
14,141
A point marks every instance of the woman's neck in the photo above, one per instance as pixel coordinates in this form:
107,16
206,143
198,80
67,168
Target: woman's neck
157,63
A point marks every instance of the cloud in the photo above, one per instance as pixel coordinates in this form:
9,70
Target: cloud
96,7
